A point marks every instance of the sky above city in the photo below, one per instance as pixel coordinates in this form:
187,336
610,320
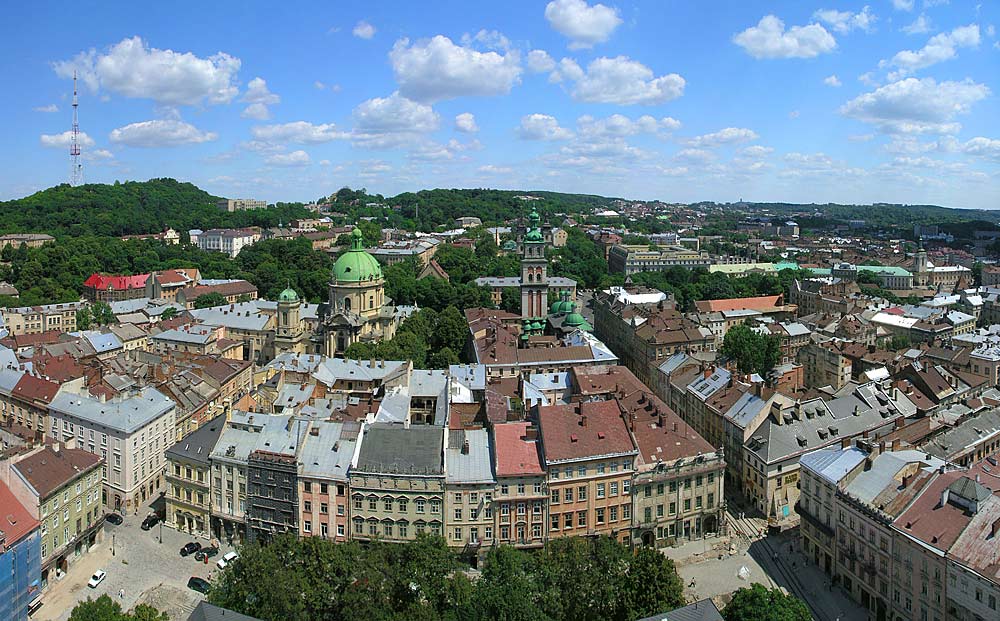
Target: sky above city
851,102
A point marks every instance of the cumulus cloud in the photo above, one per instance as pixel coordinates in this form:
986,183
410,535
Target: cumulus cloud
48,108
694,155
769,39
384,122
295,158
257,92
466,123
436,69
257,111
98,155
619,126
913,106
845,21
619,80
583,24
301,132
920,25
62,141
363,30
132,69
939,48
539,61
495,170
983,147
542,127
728,135
832,80
756,151
160,133
902,5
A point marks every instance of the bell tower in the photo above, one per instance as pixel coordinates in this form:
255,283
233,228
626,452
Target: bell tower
534,267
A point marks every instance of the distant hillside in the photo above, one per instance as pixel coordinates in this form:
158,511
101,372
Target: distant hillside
883,214
130,208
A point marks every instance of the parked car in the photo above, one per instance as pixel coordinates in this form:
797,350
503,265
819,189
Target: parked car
190,548
114,518
151,520
198,584
97,578
228,558
206,552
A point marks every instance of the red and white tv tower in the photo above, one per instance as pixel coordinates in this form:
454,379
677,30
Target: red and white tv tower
76,164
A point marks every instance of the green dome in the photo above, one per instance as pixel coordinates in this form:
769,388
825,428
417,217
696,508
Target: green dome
534,235
574,319
356,265
509,245
288,295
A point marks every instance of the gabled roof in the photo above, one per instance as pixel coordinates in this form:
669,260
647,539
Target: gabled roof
760,303
48,470
582,431
15,521
117,283
516,453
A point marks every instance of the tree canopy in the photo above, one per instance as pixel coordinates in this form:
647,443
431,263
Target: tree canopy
106,609
758,603
570,579
753,352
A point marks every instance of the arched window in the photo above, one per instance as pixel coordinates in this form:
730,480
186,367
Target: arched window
347,303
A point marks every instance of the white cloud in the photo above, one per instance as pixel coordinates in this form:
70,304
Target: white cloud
618,126
133,69
583,24
861,137
845,21
160,133
621,81
98,155
902,5
487,39
61,141
256,111
319,85
694,155
920,25
756,151
728,135
48,108
385,122
436,69
301,132
941,47
983,147
542,127
832,80
495,170
769,39
868,79
991,30
257,92
794,114
914,106
363,30
539,61
295,158
466,123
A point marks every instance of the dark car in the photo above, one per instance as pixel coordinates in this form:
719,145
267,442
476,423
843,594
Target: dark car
190,548
198,584
151,520
206,552
114,518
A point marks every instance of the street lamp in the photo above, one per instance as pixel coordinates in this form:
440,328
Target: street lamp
161,532
112,544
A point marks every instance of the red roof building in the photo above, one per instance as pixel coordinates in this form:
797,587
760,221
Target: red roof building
16,522
108,288
764,304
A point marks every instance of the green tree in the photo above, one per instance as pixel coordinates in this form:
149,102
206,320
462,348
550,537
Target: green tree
145,612
209,299
168,313
102,314
451,330
84,319
101,609
753,352
757,603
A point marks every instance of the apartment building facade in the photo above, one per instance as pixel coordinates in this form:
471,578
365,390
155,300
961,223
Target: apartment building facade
189,479
521,498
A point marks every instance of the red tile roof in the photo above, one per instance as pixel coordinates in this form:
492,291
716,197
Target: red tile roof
659,431
583,430
933,523
48,470
119,283
515,454
762,303
15,521
35,389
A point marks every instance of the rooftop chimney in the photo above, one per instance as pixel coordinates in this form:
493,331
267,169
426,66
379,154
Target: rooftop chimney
583,421
465,447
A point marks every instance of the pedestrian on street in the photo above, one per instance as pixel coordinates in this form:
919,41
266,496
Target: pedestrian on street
121,593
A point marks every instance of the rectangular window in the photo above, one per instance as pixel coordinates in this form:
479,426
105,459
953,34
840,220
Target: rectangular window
581,492
569,494
613,488
554,519
568,520
600,516
555,496
307,526
600,490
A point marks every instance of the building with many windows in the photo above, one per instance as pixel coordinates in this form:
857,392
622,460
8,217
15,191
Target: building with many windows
521,497
469,484
189,479
397,483
61,487
325,460
590,459
20,559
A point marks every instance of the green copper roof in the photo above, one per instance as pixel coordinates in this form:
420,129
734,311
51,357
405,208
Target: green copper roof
288,295
356,265
510,244
534,235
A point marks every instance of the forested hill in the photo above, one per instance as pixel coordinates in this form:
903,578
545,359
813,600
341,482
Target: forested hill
130,208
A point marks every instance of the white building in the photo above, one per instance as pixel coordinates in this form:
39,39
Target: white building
229,241
130,433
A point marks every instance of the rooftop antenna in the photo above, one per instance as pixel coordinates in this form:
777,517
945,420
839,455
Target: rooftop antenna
76,165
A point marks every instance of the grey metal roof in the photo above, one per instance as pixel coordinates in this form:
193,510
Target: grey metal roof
124,414
704,387
745,409
970,431
703,610
192,333
326,451
395,449
475,466
207,612
428,382
240,316
199,444
672,363
471,375
550,381
872,483
832,464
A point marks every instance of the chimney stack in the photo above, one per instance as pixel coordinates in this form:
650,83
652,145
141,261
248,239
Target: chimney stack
583,421
465,447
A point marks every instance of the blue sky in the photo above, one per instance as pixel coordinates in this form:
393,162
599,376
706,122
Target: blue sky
884,101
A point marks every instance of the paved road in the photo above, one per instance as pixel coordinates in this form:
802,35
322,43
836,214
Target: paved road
140,564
